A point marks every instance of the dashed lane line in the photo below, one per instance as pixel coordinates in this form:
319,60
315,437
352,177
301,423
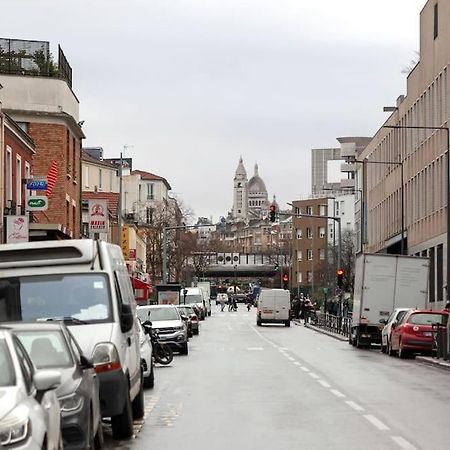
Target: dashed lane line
313,375
377,423
324,383
403,443
354,405
337,393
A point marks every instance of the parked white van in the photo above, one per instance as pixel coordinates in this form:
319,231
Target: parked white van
274,306
86,284
197,296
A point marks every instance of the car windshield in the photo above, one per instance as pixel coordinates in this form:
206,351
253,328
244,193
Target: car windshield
83,297
47,349
158,314
7,375
428,319
194,298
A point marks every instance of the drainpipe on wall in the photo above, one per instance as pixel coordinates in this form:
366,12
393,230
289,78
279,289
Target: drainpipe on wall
2,164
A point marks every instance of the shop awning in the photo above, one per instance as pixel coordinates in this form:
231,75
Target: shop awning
142,290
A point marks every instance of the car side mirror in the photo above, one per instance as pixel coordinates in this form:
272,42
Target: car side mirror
45,380
383,321
86,363
126,318
147,326
183,317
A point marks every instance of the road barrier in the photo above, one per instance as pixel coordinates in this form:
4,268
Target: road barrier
440,342
334,324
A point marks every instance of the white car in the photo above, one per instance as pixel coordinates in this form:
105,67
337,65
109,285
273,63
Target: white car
395,316
30,416
146,358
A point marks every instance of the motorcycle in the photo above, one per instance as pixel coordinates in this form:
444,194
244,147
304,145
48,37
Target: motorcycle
162,352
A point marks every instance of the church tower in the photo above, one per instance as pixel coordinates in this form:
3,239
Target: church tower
257,195
240,192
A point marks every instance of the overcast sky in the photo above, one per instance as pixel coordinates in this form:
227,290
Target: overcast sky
194,84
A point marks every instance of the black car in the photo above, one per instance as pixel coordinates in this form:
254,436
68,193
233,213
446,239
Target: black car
52,346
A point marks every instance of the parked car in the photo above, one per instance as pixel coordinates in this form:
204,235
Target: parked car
86,283
167,321
240,298
146,357
221,297
394,317
414,332
29,409
192,322
52,346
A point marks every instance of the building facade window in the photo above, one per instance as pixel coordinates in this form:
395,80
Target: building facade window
299,277
309,233
310,255
321,232
299,233
309,276
150,193
436,21
309,210
8,174
322,254
86,176
18,181
299,255
100,176
322,210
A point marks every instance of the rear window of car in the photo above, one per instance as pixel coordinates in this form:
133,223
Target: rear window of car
428,319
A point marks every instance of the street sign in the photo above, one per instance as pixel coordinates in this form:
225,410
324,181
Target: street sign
37,185
37,203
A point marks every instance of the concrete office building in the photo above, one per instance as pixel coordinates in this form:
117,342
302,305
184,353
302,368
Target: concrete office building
421,155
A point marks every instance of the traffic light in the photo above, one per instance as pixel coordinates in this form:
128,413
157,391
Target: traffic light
340,278
275,267
272,213
285,281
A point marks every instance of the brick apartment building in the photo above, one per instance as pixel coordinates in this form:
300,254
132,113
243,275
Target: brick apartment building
43,104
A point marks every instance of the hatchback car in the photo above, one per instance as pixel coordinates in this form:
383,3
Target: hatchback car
394,317
414,332
52,346
29,409
167,321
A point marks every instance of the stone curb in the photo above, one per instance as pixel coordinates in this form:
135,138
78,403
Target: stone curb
438,363
320,330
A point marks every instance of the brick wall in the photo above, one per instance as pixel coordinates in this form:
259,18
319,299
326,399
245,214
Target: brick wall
56,142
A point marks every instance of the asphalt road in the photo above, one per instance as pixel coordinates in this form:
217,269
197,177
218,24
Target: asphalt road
273,387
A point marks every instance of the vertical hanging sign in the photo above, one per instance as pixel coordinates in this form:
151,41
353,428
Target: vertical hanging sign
98,216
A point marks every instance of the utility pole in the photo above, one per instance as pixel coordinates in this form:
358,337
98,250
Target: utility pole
119,205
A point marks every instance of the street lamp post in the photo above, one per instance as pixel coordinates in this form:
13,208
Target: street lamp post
447,131
402,187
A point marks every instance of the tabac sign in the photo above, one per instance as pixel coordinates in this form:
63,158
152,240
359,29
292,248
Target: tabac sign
98,216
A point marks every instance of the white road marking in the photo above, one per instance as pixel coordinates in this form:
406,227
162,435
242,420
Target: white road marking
377,423
290,358
403,443
255,349
313,375
337,393
354,405
297,363
324,383
304,369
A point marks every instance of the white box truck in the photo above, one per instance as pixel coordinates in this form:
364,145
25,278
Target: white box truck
382,283
274,306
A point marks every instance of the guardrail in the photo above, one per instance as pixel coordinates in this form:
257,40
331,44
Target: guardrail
334,324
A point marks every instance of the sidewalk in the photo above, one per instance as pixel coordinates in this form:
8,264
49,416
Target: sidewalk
337,336
430,361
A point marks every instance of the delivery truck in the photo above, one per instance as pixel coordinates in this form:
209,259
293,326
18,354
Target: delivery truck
382,283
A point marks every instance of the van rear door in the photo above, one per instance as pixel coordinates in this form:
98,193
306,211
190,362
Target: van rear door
267,305
282,305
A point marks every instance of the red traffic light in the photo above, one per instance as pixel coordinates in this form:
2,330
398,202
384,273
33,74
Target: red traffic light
272,208
285,278
340,272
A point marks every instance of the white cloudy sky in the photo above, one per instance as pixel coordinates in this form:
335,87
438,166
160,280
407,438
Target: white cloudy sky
194,84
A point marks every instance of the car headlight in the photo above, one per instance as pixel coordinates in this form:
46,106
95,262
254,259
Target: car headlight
15,427
71,403
179,328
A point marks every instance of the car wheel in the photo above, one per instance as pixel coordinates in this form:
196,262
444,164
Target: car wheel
358,341
390,350
287,323
149,382
402,353
138,404
185,349
197,331
258,322
122,424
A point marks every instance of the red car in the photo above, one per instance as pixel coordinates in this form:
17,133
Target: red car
414,332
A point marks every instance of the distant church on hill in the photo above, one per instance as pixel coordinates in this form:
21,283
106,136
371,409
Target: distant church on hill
250,197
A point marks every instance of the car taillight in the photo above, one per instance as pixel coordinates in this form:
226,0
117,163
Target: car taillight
105,357
194,318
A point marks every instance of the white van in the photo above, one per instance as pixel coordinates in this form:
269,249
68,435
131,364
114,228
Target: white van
86,284
197,296
274,306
